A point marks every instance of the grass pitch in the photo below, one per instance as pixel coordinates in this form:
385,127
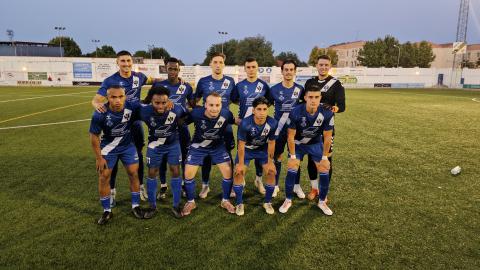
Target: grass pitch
395,203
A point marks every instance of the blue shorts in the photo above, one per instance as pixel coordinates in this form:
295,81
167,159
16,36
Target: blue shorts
259,155
314,150
169,151
218,155
127,155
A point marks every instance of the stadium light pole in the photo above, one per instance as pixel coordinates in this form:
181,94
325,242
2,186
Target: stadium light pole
96,41
150,49
60,28
10,35
223,37
398,59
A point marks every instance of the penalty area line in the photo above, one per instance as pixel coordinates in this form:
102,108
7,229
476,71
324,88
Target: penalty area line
46,124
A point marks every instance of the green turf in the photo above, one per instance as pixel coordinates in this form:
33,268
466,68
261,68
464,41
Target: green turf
395,203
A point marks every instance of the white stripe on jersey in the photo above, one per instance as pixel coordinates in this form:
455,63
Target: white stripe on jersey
109,147
156,143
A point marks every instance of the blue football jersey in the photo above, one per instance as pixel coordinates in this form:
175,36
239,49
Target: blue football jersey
208,84
180,94
209,132
255,136
246,92
309,128
285,100
162,128
133,85
115,127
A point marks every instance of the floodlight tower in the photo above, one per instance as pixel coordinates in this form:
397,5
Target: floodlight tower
461,37
10,35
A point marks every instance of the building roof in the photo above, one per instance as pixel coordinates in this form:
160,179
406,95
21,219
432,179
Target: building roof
348,45
26,43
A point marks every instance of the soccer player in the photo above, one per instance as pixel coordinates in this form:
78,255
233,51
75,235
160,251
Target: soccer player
256,140
244,94
308,123
132,82
333,94
116,143
211,122
223,85
162,143
284,96
181,94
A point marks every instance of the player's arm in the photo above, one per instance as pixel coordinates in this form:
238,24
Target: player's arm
292,159
339,100
98,103
240,168
327,142
271,152
100,162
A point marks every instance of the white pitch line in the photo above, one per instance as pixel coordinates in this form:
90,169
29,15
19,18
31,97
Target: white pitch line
474,99
60,95
45,124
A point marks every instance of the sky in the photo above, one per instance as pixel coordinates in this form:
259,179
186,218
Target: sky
186,28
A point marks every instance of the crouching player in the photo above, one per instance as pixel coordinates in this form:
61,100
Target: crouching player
116,143
256,140
308,122
163,143
208,141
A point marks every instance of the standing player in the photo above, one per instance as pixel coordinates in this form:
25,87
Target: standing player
256,140
223,85
116,143
211,122
244,94
181,94
333,94
308,123
132,82
284,96
162,143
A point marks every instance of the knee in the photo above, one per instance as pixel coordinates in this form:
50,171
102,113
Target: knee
175,171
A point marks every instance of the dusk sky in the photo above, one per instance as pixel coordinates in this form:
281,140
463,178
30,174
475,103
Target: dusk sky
187,28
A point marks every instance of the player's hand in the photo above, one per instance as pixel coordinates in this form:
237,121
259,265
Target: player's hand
240,169
170,105
324,165
99,107
101,165
271,169
293,163
334,109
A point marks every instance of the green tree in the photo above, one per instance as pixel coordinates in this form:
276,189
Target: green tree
70,47
160,53
289,55
257,47
408,55
424,54
142,53
229,49
316,52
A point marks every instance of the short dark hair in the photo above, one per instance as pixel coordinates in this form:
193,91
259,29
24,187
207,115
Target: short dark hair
215,54
173,60
116,86
156,90
313,87
289,61
259,101
325,57
250,59
122,53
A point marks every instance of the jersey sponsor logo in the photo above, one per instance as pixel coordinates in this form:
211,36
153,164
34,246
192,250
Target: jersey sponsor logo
310,132
225,84
181,89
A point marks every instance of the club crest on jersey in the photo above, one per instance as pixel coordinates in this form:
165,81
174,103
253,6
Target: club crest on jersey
152,122
296,92
318,122
181,89
304,122
225,84
126,115
259,87
109,122
136,82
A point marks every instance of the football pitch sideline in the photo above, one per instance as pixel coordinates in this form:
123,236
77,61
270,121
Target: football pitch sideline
395,203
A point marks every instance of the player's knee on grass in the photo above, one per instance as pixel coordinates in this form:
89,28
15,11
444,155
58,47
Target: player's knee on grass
175,170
